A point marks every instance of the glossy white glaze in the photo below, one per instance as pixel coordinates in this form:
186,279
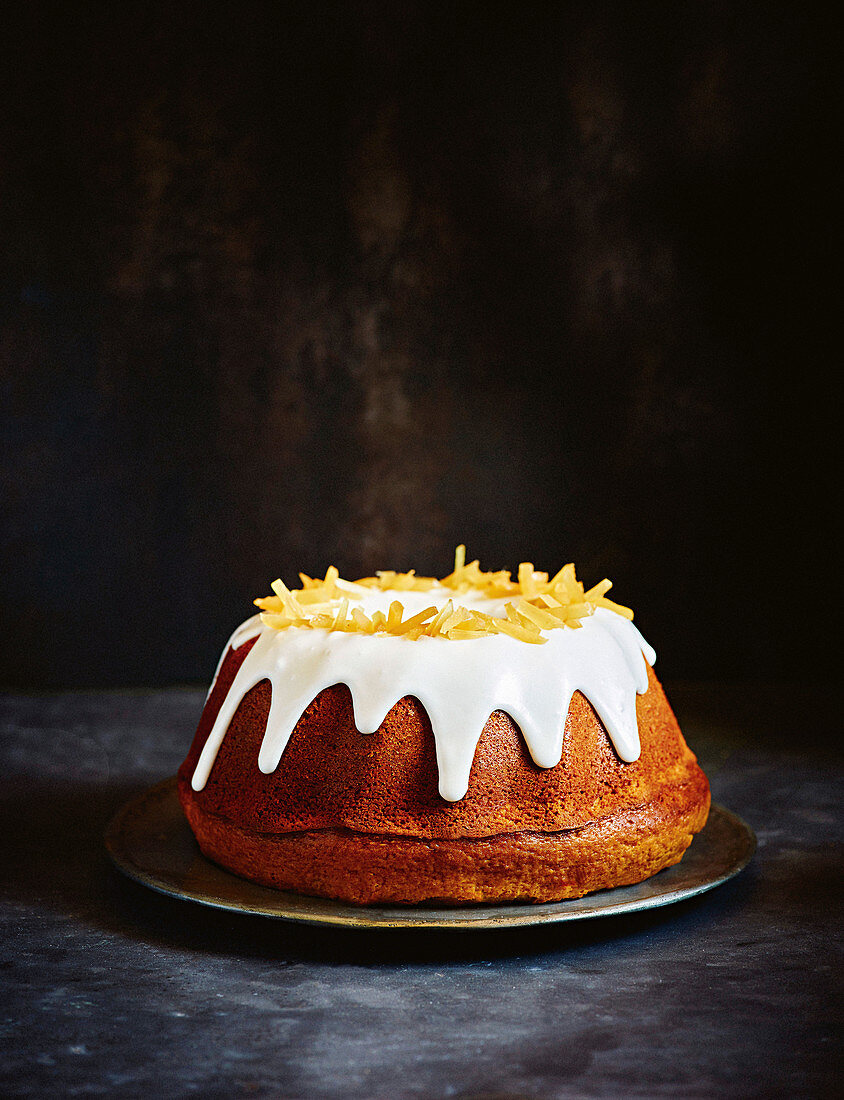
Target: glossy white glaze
460,683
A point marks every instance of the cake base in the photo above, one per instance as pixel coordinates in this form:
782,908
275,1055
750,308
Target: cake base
370,868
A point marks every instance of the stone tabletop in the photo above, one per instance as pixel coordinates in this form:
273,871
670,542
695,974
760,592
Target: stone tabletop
110,989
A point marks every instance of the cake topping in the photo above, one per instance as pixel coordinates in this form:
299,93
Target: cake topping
333,631
535,603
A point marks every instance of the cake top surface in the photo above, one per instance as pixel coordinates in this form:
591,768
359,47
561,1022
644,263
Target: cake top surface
467,604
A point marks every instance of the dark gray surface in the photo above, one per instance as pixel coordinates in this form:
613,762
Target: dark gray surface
111,989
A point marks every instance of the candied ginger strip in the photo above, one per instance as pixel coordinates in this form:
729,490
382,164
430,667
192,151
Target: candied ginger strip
526,579
505,626
598,590
395,614
342,611
618,608
291,604
460,615
416,620
435,627
363,621
269,603
539,618
279,622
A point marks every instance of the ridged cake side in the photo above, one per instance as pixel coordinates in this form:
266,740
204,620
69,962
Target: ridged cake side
332,776
359,817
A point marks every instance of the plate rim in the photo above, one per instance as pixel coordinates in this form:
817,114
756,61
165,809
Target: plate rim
466,918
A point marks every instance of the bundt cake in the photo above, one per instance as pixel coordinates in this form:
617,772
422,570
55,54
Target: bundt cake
474,739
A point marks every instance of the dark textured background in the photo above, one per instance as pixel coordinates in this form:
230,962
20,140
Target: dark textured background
292,284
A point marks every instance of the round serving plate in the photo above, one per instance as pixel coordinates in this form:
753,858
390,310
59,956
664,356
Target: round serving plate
150,841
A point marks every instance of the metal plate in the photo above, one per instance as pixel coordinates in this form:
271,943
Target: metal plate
150,841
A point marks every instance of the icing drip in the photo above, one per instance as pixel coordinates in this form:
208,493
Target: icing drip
250,629
459,683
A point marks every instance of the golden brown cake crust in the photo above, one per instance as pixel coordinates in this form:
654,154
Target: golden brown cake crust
372,868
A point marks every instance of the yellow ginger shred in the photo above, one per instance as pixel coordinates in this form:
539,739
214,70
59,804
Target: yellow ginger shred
540,603
363,621
415,622
618,608
435,627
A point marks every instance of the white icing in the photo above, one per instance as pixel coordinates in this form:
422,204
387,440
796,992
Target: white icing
240,636
460,683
